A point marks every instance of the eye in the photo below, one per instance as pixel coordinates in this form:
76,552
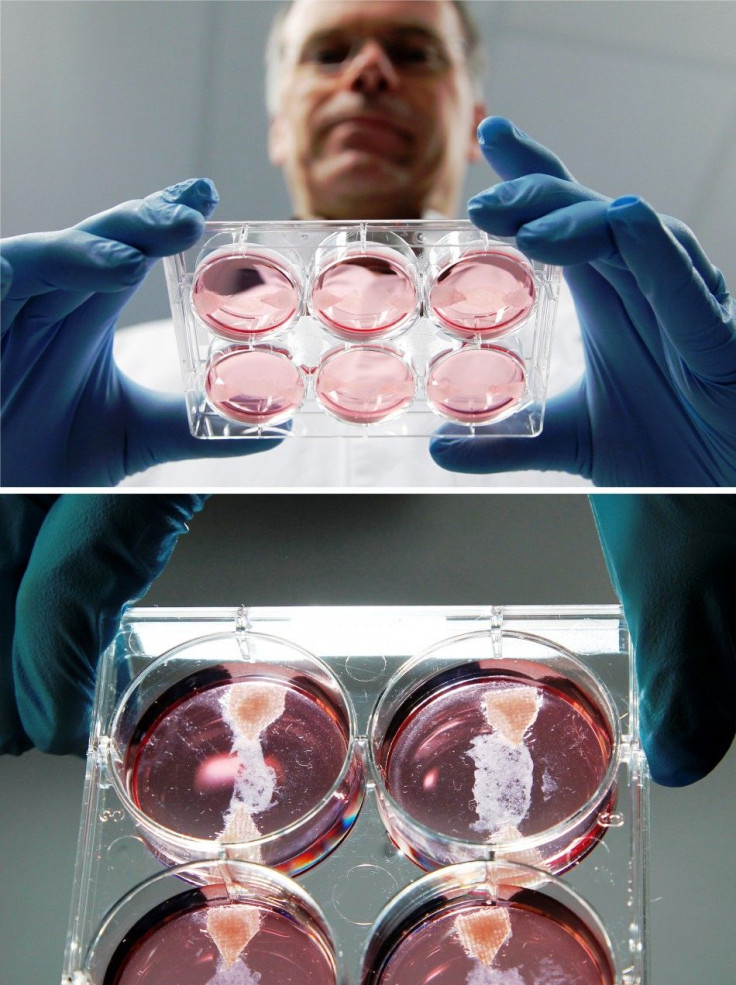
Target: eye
416,53
327,51
409,53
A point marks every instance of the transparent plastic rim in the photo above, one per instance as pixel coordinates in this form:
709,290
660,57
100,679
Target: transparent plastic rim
201,846
526,842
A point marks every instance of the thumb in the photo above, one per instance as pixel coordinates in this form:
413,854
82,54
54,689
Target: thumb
563,446
159,432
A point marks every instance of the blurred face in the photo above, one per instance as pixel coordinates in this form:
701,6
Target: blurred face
377,115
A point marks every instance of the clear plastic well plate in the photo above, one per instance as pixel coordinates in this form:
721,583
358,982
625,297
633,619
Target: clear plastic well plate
528,714
364,328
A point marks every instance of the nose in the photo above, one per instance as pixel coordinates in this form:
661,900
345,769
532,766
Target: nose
371,70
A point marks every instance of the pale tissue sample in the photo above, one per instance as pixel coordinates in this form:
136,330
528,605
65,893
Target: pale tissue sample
248,709
232,928
504,767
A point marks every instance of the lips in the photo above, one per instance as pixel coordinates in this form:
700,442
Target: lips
377,134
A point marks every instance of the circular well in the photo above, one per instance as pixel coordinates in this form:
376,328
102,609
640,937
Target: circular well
244,924
511,754
211,752
365,294
488,924
483,294
254,386
475,385
364,384
245,294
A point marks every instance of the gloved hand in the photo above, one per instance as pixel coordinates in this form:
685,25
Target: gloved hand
657,403
69,416
68,566
672,560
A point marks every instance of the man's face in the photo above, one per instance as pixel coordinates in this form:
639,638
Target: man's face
377,115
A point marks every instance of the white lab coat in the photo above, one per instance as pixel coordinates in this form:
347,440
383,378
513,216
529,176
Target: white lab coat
147,353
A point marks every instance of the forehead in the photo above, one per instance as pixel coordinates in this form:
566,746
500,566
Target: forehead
309,17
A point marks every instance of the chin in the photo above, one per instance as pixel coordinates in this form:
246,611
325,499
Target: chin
367,180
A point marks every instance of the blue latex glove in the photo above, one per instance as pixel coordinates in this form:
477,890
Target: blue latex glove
672,560
69,416
657,403
68,566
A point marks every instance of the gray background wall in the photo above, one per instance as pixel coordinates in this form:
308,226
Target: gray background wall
105,101
381,549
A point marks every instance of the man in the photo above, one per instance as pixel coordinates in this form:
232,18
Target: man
386,89
374,107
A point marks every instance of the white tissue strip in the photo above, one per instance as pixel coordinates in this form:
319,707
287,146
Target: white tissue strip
511,711
232,928
250,708
480,975
483,933
502,783
504,769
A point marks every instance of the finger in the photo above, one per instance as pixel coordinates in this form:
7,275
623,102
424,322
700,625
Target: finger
69,260
159,432
505,208
161,224
671,561
92,556
512,153
699,327
577,234
510,206
564,444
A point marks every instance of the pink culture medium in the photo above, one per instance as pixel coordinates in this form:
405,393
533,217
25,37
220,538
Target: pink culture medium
364,384
254,386
244,295
510,759
530,939
475,385
483,294
234,762
366,296
191,940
